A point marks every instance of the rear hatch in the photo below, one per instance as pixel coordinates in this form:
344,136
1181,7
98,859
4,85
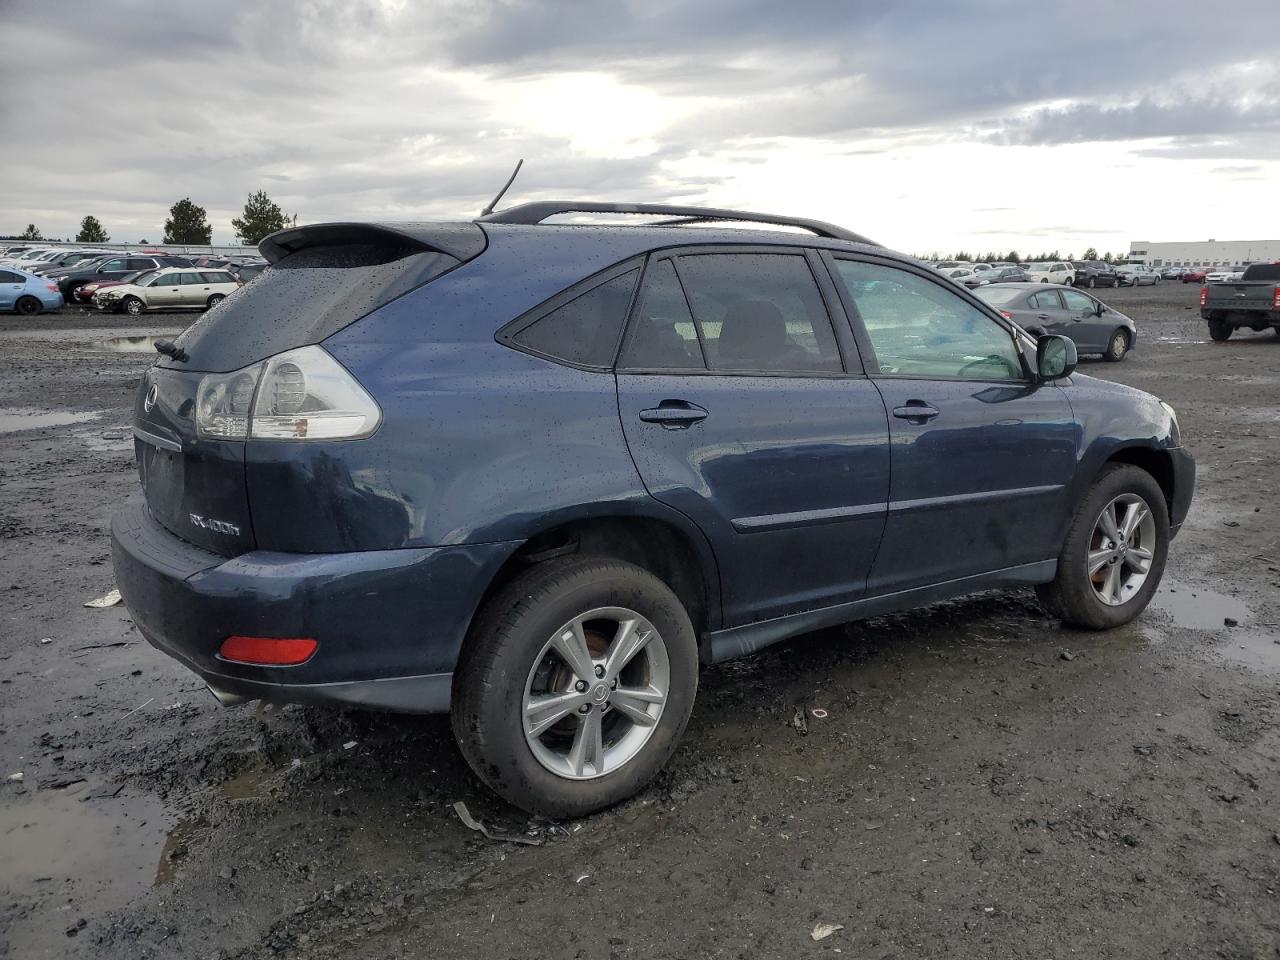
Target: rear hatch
322,279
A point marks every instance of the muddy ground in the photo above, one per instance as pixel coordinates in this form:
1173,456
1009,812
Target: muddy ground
984,783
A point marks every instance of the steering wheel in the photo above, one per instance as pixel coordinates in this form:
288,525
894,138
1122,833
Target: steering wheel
986,361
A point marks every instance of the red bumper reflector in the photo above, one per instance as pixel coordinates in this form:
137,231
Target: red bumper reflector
268,651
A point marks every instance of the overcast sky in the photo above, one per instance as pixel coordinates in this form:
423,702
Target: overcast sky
927,126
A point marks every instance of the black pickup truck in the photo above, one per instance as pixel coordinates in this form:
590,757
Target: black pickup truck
1253,301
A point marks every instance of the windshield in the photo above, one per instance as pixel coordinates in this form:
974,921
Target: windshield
138,276
998,295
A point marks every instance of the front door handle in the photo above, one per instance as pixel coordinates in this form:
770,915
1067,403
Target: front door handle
1042,316
674,414
917,411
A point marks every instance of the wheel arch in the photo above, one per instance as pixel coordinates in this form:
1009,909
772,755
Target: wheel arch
665,543
1155,461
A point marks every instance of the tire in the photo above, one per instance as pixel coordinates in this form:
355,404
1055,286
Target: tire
73,295
132,306
1044,280
1093,282
214,300
1219,331
501,668
28,306
1074,595
1117,347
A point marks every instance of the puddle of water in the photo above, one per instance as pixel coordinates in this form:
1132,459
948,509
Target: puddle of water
142,344
13,419
1256,649
1197,607
176,849
57,847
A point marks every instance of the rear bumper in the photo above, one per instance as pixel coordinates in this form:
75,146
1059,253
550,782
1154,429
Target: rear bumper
1240,316
1184,487
389,623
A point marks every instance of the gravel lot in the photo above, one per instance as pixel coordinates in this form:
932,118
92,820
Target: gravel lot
984,783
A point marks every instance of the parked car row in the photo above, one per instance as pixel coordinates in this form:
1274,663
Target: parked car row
82,276
1075,273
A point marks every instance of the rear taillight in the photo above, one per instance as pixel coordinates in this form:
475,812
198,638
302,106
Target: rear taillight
1275,298
51,287
1006,314
303,394
1204,295
268,651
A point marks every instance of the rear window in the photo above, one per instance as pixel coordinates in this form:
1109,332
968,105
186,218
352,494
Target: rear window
304,298
999,295
1262,271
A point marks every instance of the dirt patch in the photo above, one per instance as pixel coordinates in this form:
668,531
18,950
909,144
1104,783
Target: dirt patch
969,780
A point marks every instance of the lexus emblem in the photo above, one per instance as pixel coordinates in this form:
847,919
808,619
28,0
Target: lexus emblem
150,400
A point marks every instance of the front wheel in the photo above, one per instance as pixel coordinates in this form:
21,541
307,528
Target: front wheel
1219,331
1114,553
1117,346
1093,282
132,306
575,685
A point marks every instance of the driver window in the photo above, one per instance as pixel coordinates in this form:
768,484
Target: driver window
919,328
1078,304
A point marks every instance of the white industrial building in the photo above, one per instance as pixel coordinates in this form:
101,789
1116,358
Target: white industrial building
1203,253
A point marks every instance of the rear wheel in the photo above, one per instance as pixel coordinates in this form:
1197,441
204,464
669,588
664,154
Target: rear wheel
575,685
1093,282
214,300
1117,346
1219,330
28,306
132,306
1114,553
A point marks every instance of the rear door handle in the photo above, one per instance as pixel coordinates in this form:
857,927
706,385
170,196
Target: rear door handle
917,411
1042,316
674,414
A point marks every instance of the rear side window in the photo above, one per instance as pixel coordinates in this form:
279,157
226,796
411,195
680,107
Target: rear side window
217,277
1045,300
585,330
1262,271
759,312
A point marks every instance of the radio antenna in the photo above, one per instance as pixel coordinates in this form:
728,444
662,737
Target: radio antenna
510,180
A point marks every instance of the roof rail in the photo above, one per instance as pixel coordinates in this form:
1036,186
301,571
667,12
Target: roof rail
532,213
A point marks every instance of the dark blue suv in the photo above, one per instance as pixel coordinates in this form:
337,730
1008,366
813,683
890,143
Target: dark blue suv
534,474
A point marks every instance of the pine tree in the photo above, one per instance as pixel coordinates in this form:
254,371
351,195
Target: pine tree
1090,254
91,231
187,224
262,216
31,233
1012,256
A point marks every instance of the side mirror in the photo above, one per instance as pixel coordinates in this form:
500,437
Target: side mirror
1055,357
1102,308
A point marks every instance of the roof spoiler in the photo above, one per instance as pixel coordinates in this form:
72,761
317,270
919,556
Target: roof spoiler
463,241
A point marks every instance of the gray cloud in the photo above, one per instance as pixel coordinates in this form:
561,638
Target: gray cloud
364,108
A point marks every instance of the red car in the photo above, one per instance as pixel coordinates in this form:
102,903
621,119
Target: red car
1194,275
84,293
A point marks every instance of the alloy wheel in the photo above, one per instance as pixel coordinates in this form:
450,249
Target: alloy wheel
595,693
1121,549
